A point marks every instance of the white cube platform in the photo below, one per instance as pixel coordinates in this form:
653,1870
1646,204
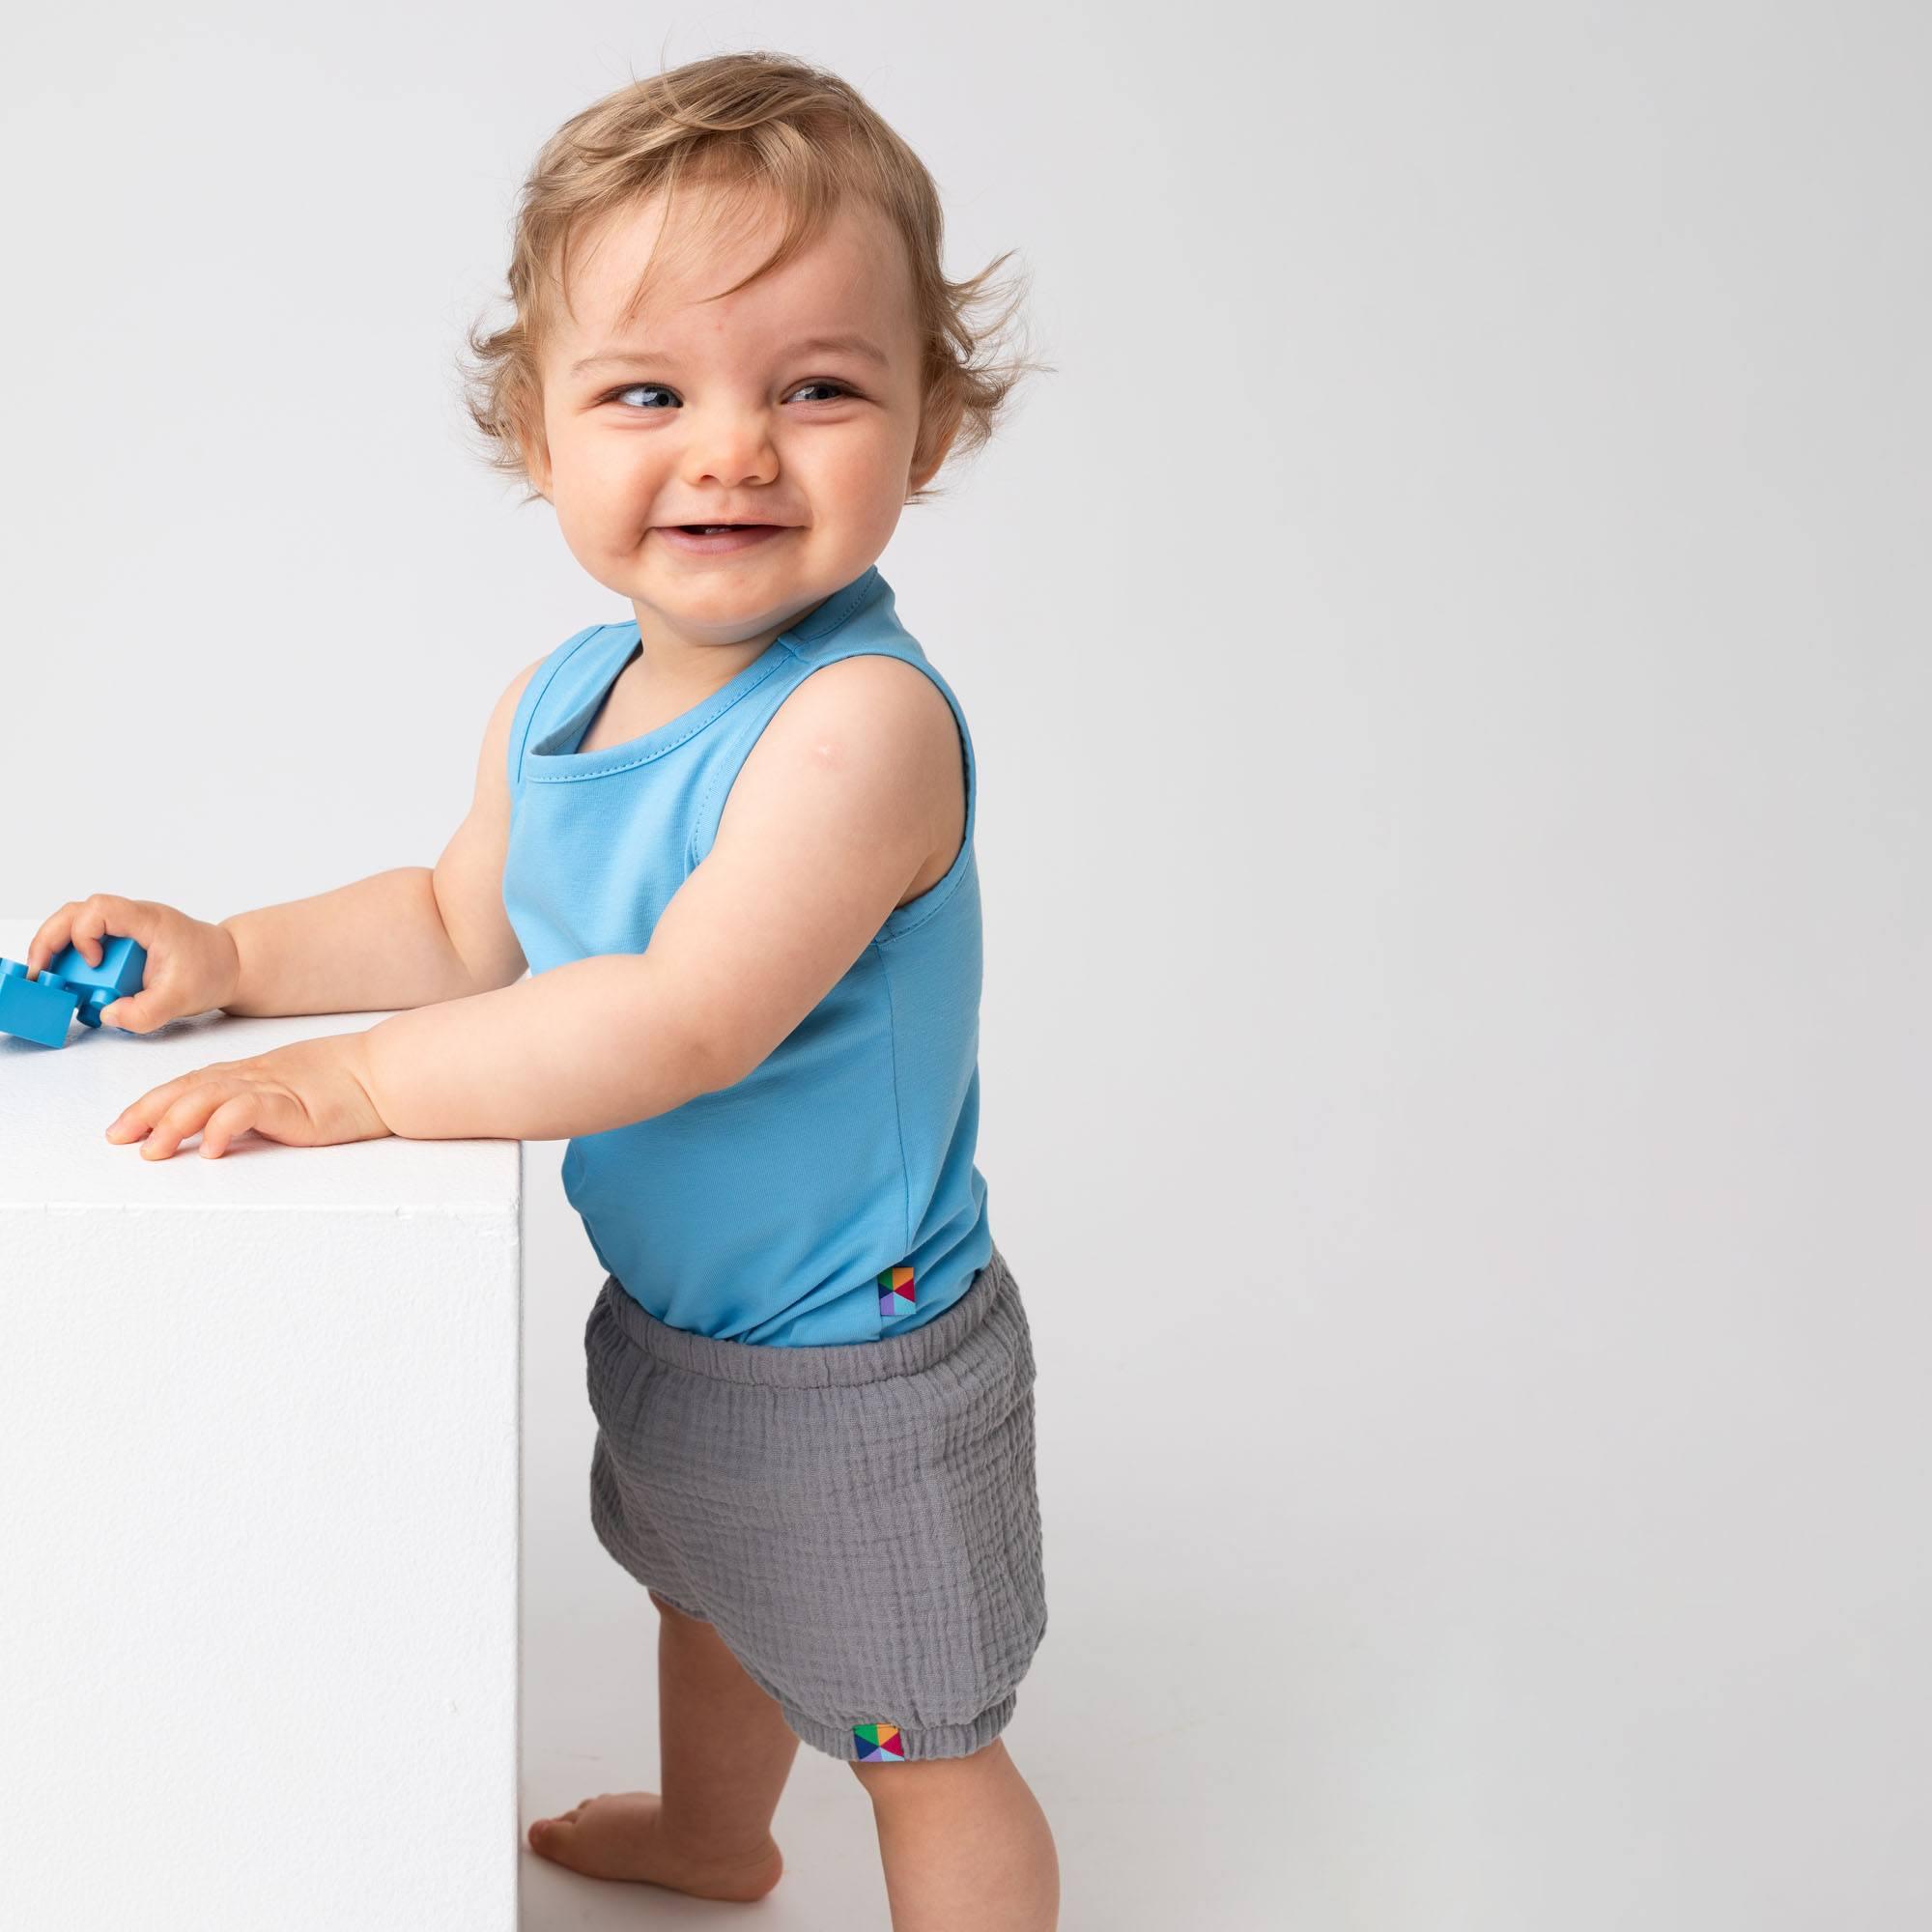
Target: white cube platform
258,1511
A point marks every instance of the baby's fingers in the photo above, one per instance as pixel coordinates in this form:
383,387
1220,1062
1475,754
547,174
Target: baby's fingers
52,936
107,913
142,1011
142,1116
177,1119
235,1116
219,1110
83,924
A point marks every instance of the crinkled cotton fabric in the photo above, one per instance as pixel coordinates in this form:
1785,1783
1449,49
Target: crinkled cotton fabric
860,1522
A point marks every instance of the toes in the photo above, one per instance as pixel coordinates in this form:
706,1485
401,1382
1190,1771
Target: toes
553,1830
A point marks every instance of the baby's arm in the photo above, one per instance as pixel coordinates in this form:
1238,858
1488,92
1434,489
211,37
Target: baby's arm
836,809
408,937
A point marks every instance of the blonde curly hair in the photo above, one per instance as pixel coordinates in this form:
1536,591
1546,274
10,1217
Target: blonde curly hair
755,126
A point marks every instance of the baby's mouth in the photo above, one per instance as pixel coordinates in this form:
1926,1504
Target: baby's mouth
720,539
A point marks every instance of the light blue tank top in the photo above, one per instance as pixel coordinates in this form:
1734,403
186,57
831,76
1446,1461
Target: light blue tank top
831,1195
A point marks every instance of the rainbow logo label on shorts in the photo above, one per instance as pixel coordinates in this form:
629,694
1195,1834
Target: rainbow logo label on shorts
879,1744
896,1295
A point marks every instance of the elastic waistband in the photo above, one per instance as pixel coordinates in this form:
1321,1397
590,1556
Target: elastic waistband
833,1364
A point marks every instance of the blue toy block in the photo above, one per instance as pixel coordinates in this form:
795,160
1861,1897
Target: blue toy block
68,989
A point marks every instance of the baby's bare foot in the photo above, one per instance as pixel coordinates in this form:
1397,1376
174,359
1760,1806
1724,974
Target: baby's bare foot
619,1835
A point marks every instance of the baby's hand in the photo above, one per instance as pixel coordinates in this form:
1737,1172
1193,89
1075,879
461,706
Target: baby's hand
312,1092
192,967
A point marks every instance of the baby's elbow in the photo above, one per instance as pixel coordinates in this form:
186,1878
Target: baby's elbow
712,1064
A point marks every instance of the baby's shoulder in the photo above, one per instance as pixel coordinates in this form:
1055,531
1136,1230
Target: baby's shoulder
871,704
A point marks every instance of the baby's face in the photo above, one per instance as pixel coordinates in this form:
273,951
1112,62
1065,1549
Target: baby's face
724,411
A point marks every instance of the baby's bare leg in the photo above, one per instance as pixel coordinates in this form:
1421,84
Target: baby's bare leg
724,1745
965,1844
725,1751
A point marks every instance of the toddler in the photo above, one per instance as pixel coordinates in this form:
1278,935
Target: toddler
729,841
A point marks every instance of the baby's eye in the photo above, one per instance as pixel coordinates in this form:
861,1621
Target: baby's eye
634,389
637,388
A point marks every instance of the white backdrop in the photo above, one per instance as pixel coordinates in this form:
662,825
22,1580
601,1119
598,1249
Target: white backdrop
1447,658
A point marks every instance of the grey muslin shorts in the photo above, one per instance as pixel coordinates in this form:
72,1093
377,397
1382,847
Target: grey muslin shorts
860,1521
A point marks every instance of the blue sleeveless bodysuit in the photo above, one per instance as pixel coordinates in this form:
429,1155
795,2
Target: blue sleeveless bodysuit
830,1196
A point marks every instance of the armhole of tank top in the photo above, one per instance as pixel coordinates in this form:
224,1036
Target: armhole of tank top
524,721
901,920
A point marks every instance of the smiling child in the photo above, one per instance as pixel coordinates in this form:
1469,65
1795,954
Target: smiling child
729,841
